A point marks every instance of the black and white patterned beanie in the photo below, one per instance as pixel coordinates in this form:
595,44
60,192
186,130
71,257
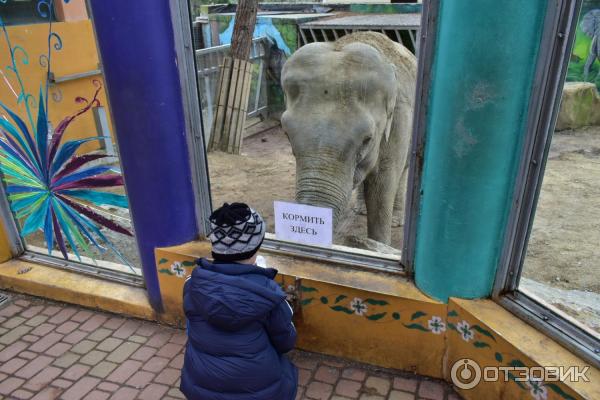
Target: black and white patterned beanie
237,232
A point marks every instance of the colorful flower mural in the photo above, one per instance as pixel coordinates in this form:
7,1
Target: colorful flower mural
51,185
372,309
436,325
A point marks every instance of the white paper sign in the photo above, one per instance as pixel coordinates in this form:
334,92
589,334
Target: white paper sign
303,224
261,262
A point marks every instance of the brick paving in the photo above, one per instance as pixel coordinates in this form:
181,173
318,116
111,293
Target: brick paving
50,350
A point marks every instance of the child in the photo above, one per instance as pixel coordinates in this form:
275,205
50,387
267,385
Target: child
239,323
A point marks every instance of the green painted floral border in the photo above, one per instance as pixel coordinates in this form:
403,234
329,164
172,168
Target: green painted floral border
478,336
475,334
482,339
184,265
354,306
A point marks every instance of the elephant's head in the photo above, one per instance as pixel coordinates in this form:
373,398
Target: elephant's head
339,109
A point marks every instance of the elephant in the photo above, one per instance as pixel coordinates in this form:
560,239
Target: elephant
348,116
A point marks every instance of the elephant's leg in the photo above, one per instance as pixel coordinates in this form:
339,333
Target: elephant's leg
399,201
594,53
380,192
588,64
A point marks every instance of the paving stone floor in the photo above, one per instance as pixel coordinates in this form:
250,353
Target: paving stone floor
50,350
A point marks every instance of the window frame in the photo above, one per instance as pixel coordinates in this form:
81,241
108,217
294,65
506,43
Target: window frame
24,9
200,168
428,32
555,50
19,249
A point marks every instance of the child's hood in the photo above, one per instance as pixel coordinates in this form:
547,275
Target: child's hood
230,296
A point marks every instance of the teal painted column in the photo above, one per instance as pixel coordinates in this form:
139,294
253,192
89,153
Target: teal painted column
483,71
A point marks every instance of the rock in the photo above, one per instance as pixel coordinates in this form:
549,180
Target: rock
580,106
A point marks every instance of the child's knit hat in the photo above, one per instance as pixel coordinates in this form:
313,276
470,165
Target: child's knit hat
237,232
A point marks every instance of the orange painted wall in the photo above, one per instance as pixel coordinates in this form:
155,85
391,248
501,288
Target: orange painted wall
74,10
79,54
5,253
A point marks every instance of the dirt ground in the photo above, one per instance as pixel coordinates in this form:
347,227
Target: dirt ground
564,247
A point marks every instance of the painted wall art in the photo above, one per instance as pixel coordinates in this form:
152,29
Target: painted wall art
53,186
585,58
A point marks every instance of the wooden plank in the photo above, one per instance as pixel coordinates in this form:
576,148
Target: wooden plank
238,118
219,118
230,106
222,108
244,108
234,108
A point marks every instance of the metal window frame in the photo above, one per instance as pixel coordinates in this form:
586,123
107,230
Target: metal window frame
186,62
426,45
557,41
19,249
181,20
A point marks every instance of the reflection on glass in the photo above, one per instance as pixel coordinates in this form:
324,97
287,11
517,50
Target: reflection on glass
65,190
338,128
561,266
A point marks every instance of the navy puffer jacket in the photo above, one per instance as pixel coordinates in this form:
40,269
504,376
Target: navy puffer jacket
239,326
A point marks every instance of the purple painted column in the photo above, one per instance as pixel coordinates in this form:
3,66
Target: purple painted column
136,45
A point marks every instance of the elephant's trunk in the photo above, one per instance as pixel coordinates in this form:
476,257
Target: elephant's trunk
324,183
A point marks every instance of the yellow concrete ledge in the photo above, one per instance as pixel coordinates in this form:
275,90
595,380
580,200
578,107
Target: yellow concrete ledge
500,339
74,288
353,313
400,327
306,268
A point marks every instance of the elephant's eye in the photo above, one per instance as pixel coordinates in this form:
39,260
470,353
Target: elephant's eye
363,148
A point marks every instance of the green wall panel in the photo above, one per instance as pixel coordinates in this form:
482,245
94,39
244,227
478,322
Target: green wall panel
483,71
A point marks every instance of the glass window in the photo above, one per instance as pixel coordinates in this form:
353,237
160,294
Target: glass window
20,12
58,153
561,265
328,118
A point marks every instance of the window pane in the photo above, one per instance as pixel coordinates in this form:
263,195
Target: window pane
20,12
329,118
58,154
561,265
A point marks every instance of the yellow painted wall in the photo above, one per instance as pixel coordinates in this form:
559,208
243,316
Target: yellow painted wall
5,253
396,329
79,54
392,315
483,331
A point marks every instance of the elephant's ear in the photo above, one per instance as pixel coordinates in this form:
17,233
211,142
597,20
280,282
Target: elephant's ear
390,106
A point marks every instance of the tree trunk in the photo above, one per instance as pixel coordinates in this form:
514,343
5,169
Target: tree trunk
234,83
243,29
